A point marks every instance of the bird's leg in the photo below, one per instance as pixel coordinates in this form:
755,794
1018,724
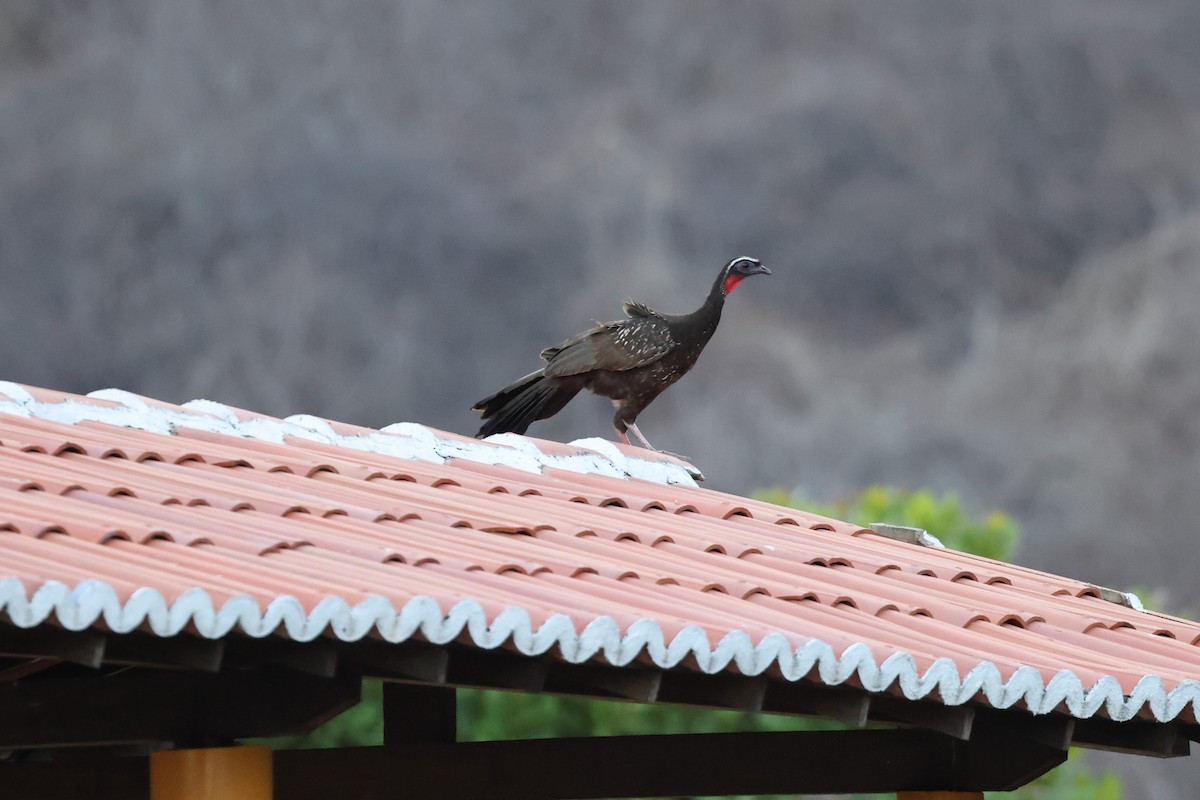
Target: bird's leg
639,435
619,425
633,427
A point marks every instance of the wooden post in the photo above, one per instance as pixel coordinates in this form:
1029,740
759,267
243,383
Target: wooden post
414,714
940,796
215,773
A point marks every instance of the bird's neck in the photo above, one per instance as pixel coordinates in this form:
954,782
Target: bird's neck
722,286
708,314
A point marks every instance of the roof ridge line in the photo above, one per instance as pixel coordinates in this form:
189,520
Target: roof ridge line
402,440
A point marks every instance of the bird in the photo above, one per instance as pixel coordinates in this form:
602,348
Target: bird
630,361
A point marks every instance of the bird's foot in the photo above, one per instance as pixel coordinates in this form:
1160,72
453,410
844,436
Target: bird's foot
647,445
641,438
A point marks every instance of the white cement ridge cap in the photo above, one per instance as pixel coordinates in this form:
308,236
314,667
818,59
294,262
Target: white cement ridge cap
400,440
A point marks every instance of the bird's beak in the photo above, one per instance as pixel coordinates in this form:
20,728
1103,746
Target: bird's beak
761,270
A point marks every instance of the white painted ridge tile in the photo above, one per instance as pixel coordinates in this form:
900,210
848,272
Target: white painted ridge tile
401,440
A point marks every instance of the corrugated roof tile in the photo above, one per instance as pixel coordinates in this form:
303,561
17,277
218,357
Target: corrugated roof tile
586,550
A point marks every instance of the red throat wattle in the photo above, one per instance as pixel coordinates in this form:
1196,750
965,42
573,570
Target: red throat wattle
731,283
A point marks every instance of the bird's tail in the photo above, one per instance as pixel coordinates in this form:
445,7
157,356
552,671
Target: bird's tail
516,406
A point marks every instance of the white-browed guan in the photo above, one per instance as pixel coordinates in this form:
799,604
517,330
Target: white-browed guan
630,360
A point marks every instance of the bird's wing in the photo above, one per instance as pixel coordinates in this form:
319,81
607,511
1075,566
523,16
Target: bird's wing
636,309
617,346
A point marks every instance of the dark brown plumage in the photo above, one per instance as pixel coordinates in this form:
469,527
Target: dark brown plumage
630,361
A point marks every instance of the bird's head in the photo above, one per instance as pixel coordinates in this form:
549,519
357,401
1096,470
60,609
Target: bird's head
740,268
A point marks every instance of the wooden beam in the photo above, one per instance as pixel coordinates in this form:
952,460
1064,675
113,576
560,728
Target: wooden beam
1006,757
319,658
96,778
953,721
419,714
154,706
1059,731
23,669
846,705
601,680
1052,730
622,766
723,690
48,641
1142,738
176,652
657,766
415,661
497,669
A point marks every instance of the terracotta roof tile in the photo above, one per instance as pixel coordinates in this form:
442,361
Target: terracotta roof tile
216,518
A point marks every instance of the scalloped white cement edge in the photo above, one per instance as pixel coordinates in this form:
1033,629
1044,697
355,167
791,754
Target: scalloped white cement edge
91,601
401,440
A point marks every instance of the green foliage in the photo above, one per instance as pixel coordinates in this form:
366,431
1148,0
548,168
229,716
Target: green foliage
1071,781
993,536
499,715
484,716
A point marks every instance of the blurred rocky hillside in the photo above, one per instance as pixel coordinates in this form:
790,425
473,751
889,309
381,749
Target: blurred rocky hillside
983,224
983,221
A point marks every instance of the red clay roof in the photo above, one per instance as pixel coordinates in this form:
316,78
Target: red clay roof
128,513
